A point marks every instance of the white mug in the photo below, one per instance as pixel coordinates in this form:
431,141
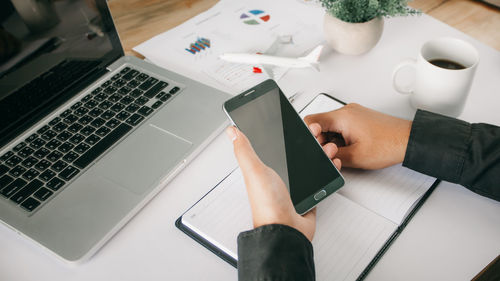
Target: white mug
441,89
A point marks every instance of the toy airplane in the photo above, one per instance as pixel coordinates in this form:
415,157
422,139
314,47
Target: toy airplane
311,60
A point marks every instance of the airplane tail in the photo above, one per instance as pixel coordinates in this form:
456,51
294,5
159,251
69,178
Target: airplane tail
313,56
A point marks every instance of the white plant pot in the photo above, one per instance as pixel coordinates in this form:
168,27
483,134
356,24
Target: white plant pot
352,38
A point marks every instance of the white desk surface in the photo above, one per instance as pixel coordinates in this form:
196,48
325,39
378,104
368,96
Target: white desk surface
453,236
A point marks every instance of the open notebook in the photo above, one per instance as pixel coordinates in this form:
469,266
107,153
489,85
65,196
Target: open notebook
355,225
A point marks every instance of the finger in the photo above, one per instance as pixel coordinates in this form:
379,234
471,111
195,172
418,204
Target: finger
338,163
243,150
329,121
330,149
315,129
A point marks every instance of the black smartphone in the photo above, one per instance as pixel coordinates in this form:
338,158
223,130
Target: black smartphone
283,142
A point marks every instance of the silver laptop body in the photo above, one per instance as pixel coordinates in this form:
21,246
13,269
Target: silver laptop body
80,216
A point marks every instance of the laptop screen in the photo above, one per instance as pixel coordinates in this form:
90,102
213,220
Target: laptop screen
48,48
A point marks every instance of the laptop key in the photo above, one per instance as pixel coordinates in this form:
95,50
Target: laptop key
70,156
64,136
165,97
132,84
31,174
66,113
42,165
108,114
100,147
30,204
117,107
65,147
59,127
43,129
55,184
136,93
82,147
54,121
113,123
145,110
98,122
47,175
86,98
88,130
36,144
125,90
29,162
54,156
155,89
13,161
92,139
85,120
25,152
174,90
17,171
26,191
125,70
148,83
19,146
135,119
110,89
53,144
42,194
59,166
75,128
93,103
70,119
13,187
6,156
41,153
3,169
81,111
77,138
4,181
31,138
105,105
103,131
132,108
76,105
157,104
69,173
131,74
123,115
142,77
48,135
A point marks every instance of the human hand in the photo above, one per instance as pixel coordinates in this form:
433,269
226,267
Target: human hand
373,140
269,199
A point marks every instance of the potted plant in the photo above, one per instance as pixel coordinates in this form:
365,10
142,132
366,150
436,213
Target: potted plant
354,26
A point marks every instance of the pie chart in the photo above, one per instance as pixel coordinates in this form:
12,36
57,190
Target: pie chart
254,17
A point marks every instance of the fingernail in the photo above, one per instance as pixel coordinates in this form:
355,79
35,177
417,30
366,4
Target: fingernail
231,133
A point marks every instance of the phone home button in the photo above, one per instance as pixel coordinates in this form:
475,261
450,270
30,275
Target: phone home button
319,195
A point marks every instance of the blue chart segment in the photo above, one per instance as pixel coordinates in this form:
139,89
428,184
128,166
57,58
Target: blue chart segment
254,17
200,45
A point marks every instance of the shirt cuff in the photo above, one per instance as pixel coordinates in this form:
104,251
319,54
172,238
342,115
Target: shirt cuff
275,252
437,145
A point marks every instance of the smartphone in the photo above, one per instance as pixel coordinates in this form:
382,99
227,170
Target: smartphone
283,142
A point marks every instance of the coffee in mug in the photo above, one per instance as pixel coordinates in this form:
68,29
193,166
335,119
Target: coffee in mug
444,70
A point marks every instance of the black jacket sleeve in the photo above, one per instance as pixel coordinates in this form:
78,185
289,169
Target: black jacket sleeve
456,151
275,252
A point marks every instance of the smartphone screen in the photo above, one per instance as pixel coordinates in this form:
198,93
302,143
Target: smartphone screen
283,142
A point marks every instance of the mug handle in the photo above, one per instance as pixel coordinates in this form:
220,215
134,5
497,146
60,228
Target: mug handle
405,63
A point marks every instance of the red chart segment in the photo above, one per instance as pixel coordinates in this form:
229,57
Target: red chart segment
254,17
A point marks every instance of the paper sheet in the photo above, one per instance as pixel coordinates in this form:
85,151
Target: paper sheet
238,26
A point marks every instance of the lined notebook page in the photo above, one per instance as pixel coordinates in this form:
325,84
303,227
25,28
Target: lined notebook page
347,236
390,192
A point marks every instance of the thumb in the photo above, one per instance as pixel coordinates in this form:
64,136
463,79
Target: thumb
248,160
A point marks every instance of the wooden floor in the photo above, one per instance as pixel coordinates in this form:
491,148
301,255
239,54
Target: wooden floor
139,20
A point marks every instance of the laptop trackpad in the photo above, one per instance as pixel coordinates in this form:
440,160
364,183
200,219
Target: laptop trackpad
143,159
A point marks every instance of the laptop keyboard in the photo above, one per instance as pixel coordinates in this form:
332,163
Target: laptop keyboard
41,165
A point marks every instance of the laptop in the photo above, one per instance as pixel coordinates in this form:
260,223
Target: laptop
87,135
